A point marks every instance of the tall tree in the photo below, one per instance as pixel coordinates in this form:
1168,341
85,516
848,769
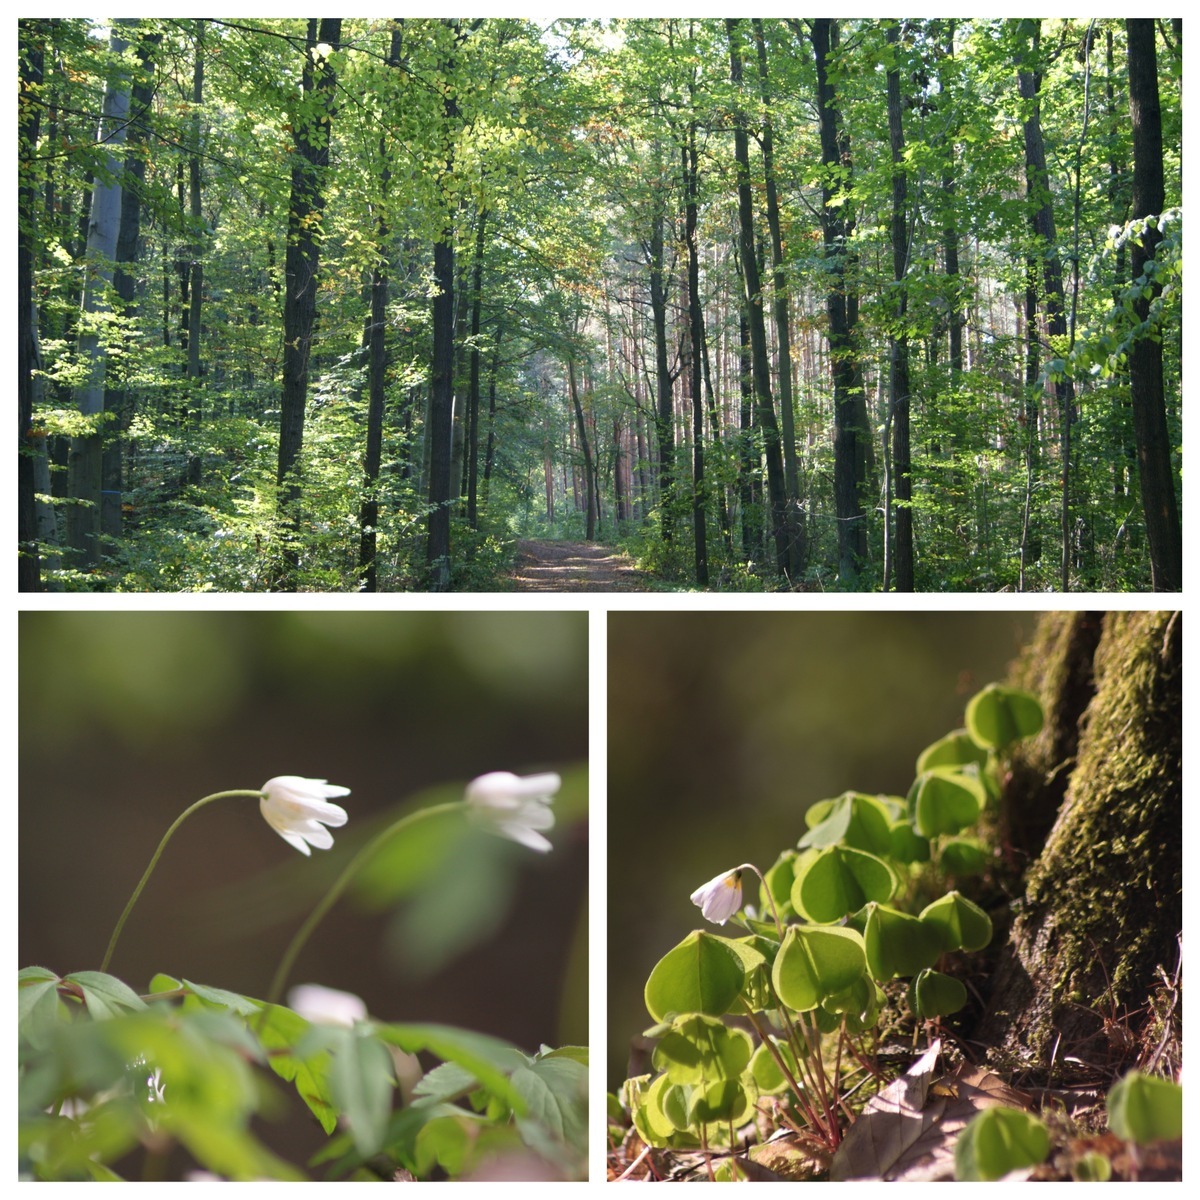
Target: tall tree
32,54
1040,202
842,310
1145,355
785,559
898,387
87,449
311,129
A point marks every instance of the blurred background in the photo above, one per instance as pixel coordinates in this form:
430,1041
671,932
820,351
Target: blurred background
724,727
127,718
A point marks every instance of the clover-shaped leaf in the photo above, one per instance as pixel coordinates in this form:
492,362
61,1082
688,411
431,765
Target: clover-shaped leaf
932,994
997,1141
703,974
898,944
960,924
1145,1108
838,880
815,962
702,1049
999,716
945,800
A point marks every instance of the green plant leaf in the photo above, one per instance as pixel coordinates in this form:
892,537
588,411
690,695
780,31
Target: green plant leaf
106,995
946,800
703,974
956,749
898,944
963,856
997,1141
854,819
960,924
999,716
1145,1108
724,1100
838,880
554,1091
280,1031
932,994
764,1069
815,962
701,1049
360,1081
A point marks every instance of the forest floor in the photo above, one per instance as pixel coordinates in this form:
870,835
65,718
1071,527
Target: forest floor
549,566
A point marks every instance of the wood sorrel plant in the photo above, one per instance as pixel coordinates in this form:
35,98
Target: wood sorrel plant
104,1067
786,1010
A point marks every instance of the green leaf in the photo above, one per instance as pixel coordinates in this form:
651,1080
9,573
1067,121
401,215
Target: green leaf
838,880
946,800
764,1069
233,1001
724,1100
854,819
999,716
815,962
280,1031
38,1010
963,856
1145,1108
997,1141
956,749
960,924
703,974
106,995
932,994
898,944
360,1080
554,1092
701,1049
489,1059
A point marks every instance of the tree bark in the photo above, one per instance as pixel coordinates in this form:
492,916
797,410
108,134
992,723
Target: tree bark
1145,355
836,227
761,366
691,185
898,399
1100,914
312,130
85,463
32,71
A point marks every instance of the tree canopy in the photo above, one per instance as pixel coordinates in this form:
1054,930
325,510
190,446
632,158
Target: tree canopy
350,304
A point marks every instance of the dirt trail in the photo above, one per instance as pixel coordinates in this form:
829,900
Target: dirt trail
574,567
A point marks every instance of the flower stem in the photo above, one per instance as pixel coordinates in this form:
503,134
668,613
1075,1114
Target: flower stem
137,891
330,898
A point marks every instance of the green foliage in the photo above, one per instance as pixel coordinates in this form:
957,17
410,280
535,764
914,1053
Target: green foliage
1144,1108
193,1063
997,1141
842,940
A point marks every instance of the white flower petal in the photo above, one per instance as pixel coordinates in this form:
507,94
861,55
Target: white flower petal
720,897
298,810
326,1006
515,807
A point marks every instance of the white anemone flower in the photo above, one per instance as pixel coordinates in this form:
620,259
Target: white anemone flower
721,897
297,809
326,1006
516,807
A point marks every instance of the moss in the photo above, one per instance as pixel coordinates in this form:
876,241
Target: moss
1102,902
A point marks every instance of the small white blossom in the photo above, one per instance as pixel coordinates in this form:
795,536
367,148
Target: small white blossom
721,897
516,807
297,809
326,1006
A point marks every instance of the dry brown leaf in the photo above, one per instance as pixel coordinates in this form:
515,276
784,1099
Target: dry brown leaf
907,1132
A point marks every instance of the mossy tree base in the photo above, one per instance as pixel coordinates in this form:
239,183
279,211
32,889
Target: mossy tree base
1096,935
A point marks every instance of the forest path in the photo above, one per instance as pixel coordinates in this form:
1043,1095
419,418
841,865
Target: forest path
550,566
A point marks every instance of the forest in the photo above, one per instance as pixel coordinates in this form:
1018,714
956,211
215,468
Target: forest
343,304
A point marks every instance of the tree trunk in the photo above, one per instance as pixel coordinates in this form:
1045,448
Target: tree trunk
761,366
1145,355
589,467
664,411
32,64
305,213
848,434
691,187
1041,217
797,548
472,448
1093,805
898,399
195,465
84,470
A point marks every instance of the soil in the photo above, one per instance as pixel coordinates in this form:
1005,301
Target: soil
574,567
